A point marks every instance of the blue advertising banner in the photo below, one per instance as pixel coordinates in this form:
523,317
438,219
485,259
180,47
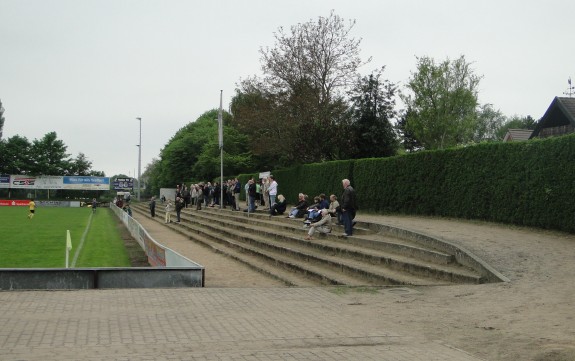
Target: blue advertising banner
4,181
86,183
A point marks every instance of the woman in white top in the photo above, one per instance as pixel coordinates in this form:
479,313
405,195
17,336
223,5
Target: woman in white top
272,190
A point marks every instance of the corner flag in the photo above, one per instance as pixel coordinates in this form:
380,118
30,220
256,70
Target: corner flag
68,241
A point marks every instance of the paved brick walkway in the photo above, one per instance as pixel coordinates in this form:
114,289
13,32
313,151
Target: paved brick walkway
253,323
203,324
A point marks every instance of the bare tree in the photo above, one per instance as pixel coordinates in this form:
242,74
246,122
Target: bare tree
320,53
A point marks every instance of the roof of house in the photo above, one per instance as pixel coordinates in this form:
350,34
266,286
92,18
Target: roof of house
560,112
517,135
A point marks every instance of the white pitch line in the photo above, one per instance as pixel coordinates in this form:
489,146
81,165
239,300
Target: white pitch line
79,249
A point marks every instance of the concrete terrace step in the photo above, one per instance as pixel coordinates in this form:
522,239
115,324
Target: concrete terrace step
352,258
335,273
256,264
387,244
272,244
305,264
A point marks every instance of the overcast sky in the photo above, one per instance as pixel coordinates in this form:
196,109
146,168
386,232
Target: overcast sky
87,68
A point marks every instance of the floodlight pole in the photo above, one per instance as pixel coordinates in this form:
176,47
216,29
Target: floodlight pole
139,159
221,144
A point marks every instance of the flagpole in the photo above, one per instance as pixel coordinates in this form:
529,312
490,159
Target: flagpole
68,246
221,143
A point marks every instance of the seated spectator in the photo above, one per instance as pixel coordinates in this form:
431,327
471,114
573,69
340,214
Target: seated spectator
334,209
313,214
279,207
322,226
299,210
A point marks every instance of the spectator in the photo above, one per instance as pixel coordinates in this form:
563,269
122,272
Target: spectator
272,190
252,194
127,209
299,210
322,226
206,192
259,192
187,196
200,193
169,209
94,205
179,205
152,206
237,191
334,209
194,193
266,193
279,207
348,207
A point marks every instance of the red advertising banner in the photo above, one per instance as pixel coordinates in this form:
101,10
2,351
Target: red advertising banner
12,202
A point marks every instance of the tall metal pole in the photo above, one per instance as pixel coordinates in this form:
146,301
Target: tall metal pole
139,159
221,142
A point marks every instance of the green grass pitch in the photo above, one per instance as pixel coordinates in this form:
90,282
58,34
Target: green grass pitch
41,242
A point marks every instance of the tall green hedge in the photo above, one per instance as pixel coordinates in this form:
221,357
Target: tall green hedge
526,183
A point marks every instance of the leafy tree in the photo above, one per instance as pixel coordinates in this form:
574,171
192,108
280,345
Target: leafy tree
80,165
15,157
408,140
516,122
372,112
296,113
489,121
193,153
49,156
442,103
1,120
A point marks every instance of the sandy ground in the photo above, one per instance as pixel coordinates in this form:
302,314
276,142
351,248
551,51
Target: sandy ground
529,318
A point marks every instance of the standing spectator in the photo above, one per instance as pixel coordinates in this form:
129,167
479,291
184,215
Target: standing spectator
348,207
152,206
178,191
127,209
179,206
252,194
272,190
247,187
32,208
259,192
334,209
200,193
187,196
207,192
94,205
194,194
217,193
169,209
266,193
237,191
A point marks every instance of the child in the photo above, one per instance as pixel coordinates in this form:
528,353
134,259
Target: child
169,209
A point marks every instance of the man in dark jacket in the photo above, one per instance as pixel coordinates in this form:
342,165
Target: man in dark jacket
252,192
348,207
179,205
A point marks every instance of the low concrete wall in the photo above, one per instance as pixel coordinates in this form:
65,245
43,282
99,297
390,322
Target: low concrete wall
91,278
